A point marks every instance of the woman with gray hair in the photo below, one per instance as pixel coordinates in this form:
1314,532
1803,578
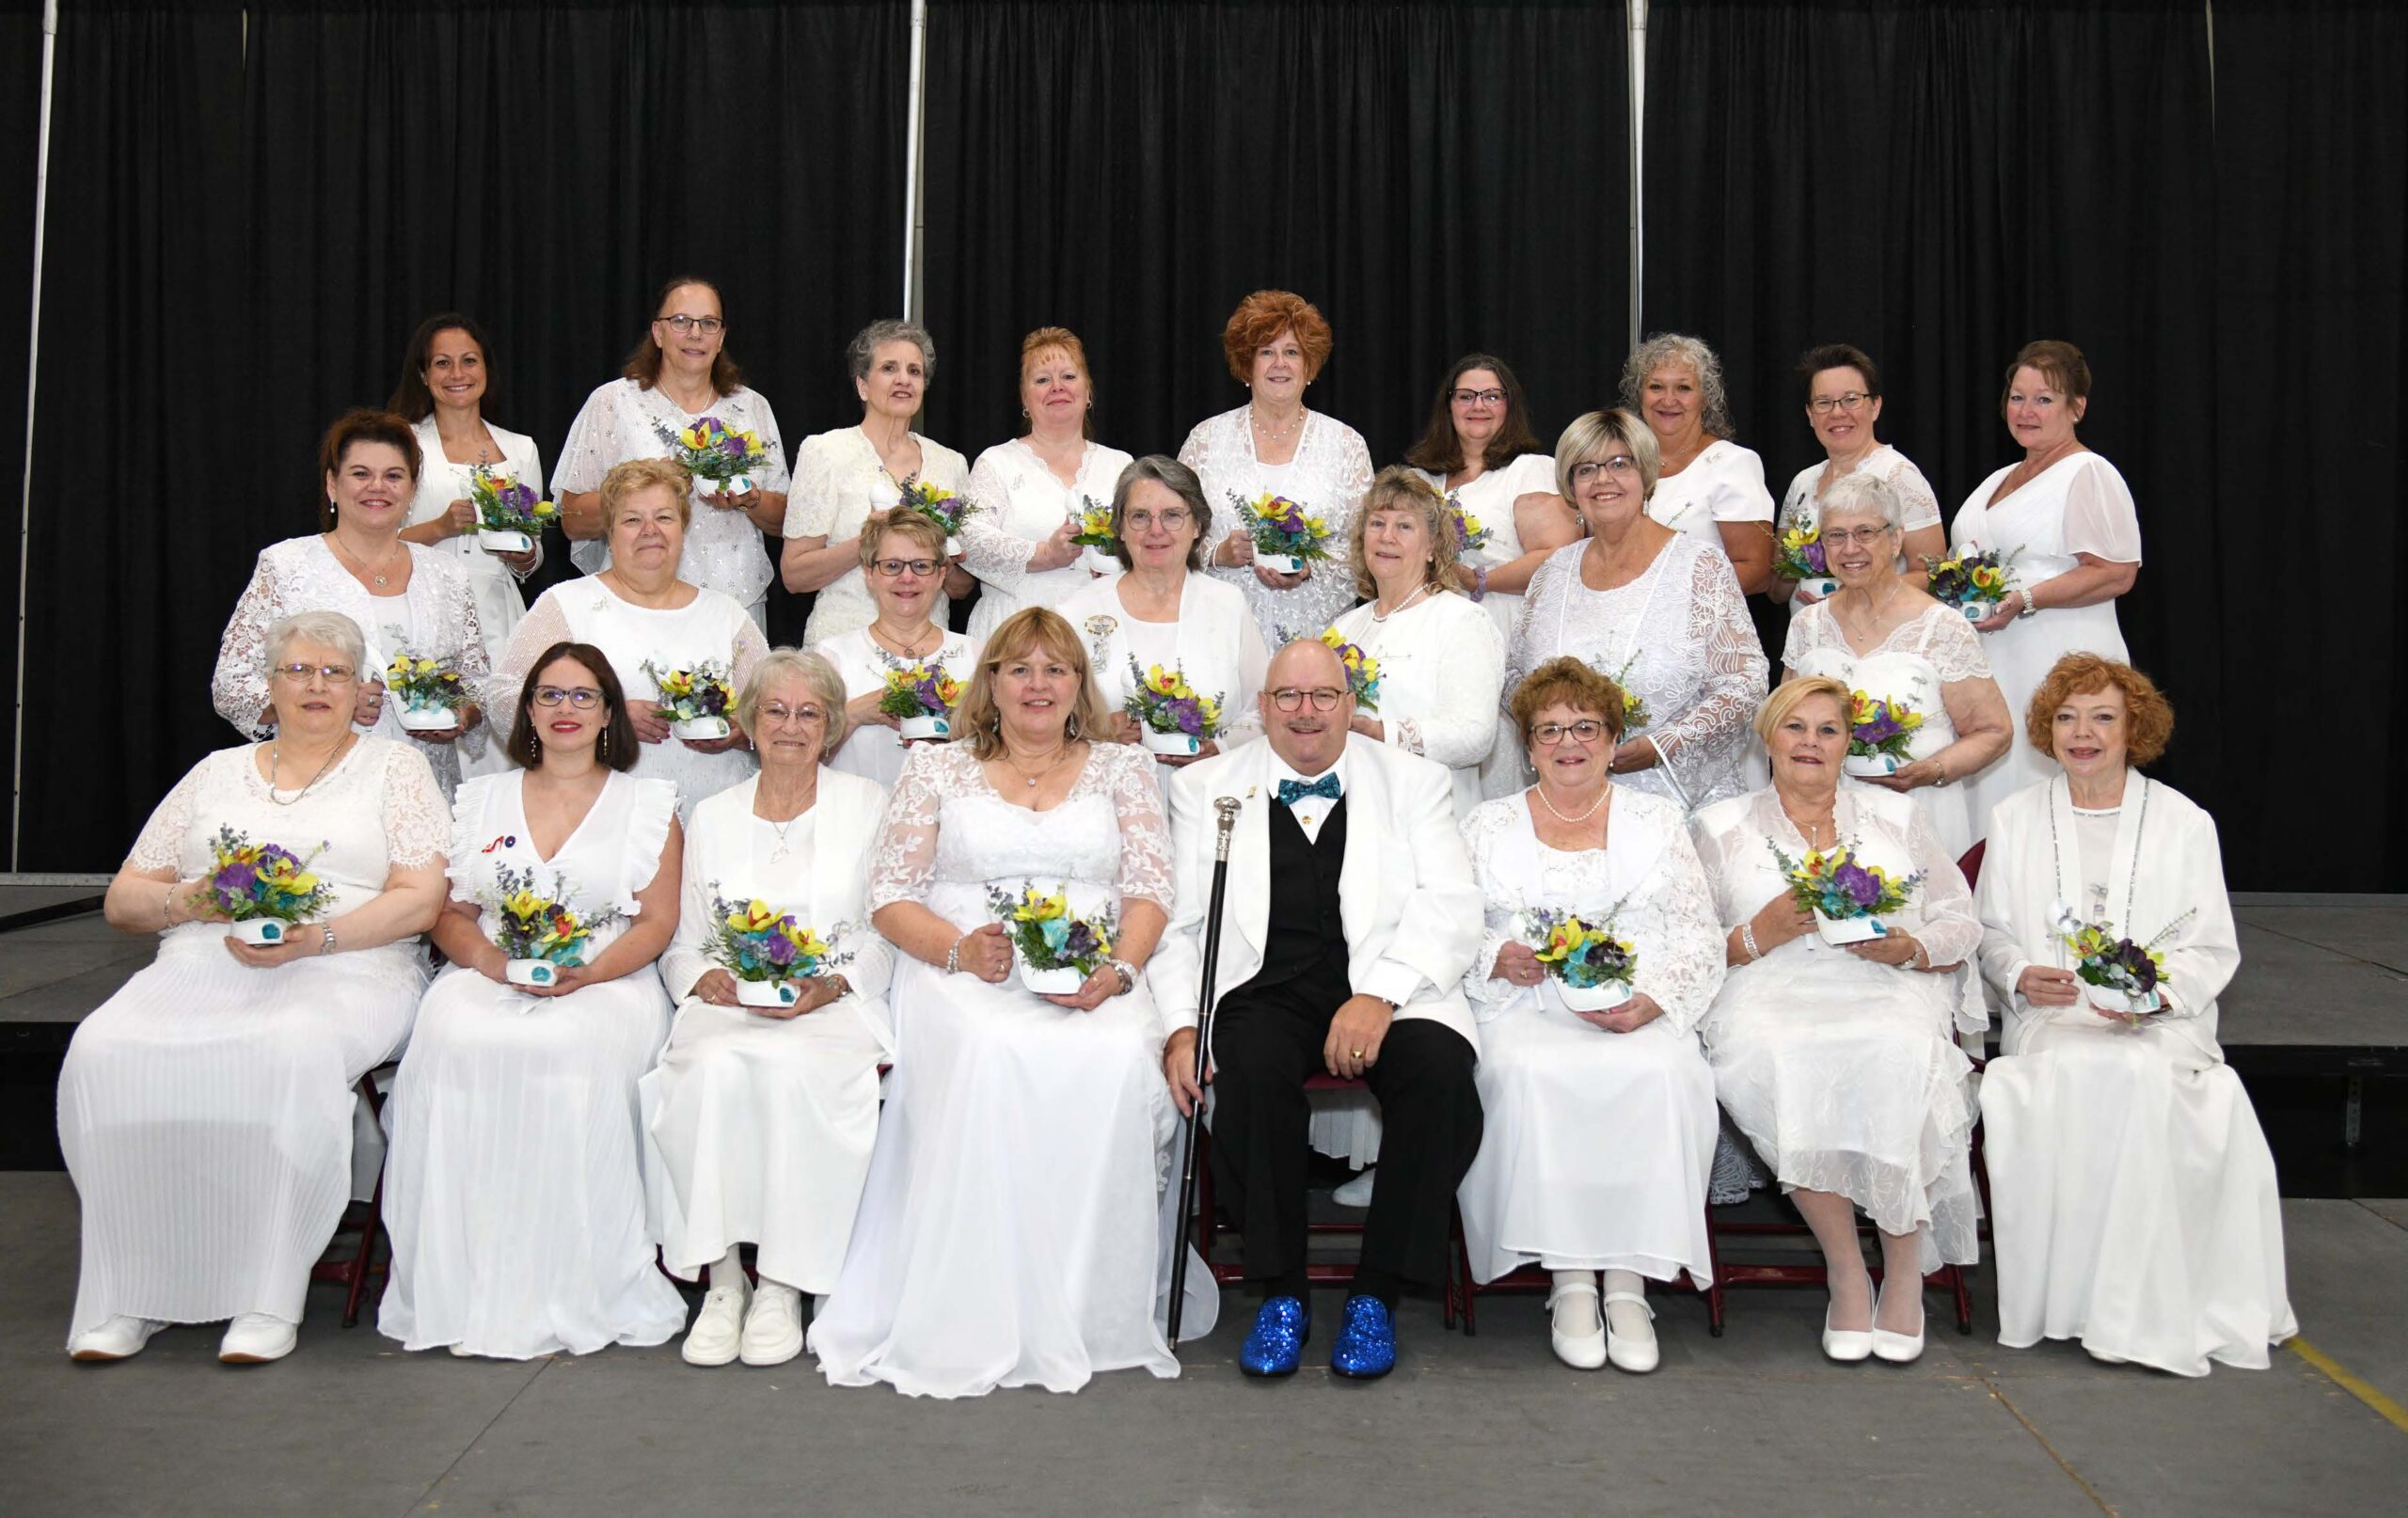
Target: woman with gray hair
680,373
205,1109
759,1117
844,478
1707,485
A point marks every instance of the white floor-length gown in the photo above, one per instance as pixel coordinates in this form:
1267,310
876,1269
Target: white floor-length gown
1845,1074
759,1128
2134,1197
2079,504
1327,476
1014,1231
514,1187
872,750
205,1110
1489,498
1597,1145
1021,501
838,480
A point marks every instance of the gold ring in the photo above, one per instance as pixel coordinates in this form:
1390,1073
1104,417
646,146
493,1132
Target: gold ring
1358,1054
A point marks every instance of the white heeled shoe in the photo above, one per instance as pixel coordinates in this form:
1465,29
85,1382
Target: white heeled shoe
773,1327
1357,1192
1847,1345
256,1338
1630,1336
115,1339
1577,1329
1898,1348
718,1333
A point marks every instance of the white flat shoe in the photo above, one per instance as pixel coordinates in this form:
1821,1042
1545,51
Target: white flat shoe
255,1338
1577,1330
718,1328
1898,1348
113,1340
1631,1345
1357,1192
773,1329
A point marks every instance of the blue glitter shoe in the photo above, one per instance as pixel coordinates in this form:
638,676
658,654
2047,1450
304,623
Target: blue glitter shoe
1277,1343
1366,1347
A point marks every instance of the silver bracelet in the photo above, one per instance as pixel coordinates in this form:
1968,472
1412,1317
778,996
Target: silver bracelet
2030,606
1747,941
953,958
328,946
1128,974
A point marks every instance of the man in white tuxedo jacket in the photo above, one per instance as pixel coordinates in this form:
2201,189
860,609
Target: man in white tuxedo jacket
1350,920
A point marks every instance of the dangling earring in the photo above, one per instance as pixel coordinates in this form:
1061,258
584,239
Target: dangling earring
1070,729
602,745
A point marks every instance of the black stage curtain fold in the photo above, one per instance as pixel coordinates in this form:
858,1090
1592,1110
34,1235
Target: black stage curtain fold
1437,178
20,155
241,244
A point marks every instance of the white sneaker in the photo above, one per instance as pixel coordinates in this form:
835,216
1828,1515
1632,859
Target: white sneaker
773,1329
1630,1331
256,1337
1357,1192
718,1328
1577,1333
113,1340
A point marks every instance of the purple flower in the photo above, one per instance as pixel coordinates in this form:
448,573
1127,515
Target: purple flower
235,880
1815,558
518,500
778,950
1080,942
1857,883
733,447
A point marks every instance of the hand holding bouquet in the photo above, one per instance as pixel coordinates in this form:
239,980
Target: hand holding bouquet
767,951
1057,949
1848,896
722,459
430,690
921,697
1798,556
1285,538
536,932
509,516
947,509
262,889
2122,978
695,701
1972,582
1589,967
1880,731
1171,717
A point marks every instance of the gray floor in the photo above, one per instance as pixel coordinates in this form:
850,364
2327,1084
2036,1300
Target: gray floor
1755,1421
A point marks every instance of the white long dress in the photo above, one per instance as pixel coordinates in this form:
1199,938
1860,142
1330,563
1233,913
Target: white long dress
1331,469
1678,637
1489,498
758,1129
205,1109
1845,1074
1918,507
2077,505
1215,643
872,750
1725,483
514,1190
2135,1204
1014,1231
1442,675
434,616
623,421
838,480
1912,665
1597,1145
711,627
1022,502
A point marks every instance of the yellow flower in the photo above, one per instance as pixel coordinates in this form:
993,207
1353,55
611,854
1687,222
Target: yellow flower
1041,908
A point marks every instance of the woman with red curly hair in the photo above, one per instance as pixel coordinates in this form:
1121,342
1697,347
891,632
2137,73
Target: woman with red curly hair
1273,445
2133,1194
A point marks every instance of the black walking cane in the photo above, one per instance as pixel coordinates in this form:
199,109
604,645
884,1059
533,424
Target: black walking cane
1228,809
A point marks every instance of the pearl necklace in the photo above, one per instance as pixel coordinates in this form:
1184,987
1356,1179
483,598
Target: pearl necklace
1604,793
1265,428
1419,591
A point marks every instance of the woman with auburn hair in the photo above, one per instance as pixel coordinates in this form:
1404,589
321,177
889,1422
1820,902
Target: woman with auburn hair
1276,343
1031,490
1011,1232
2132,1193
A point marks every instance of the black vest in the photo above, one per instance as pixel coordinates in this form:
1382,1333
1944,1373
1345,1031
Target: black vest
1307,935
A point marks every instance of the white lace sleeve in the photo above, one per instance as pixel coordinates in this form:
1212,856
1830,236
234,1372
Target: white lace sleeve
476,668
811,495
239,687
1682,968
161,844
1951,929
1714,856
903,861
417,823
1953,648
544,624
1481,829
1805,635
1459,731
592,445
2099,516
1694,743
1354,479
1918,506
1523,653
1145,835
987,551
775,476
748,652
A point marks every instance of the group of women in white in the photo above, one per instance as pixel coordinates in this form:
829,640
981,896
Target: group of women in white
973,1180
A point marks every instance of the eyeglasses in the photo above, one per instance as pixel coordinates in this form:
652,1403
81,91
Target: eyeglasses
1479,398
582,696
1172,518
1289,699
334,674
1548,735
890,567
774,711
709,327
1841,537
1823,405
1618,464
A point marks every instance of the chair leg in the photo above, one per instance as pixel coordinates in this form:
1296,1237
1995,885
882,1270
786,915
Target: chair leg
1964,1295
363,1262
1713,1263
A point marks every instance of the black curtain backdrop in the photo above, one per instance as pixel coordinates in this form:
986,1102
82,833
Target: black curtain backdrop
241,247
1437,178
20,154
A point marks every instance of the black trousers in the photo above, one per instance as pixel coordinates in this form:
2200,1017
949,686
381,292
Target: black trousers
1266,1042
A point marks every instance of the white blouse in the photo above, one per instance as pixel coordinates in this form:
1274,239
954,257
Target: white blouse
1331,470
624,420
1442,679
838,480
440,482
1724,483
1215,643
873,750
1022,502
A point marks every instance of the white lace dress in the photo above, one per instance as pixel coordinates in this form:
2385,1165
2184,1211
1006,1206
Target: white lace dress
1016,1229
1918,508
1680,638
1598,1145
1490,499
433,617
1913,664
758,1129
623,421
1442,671
206,1108
513,1192
711,627
838,480
872,750
1024,501
1725,483
1844,1073
1328,477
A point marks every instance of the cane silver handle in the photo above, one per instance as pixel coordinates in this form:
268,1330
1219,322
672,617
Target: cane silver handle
1228,809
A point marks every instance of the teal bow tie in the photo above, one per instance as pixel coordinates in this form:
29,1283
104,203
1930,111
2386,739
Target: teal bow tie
1293,791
